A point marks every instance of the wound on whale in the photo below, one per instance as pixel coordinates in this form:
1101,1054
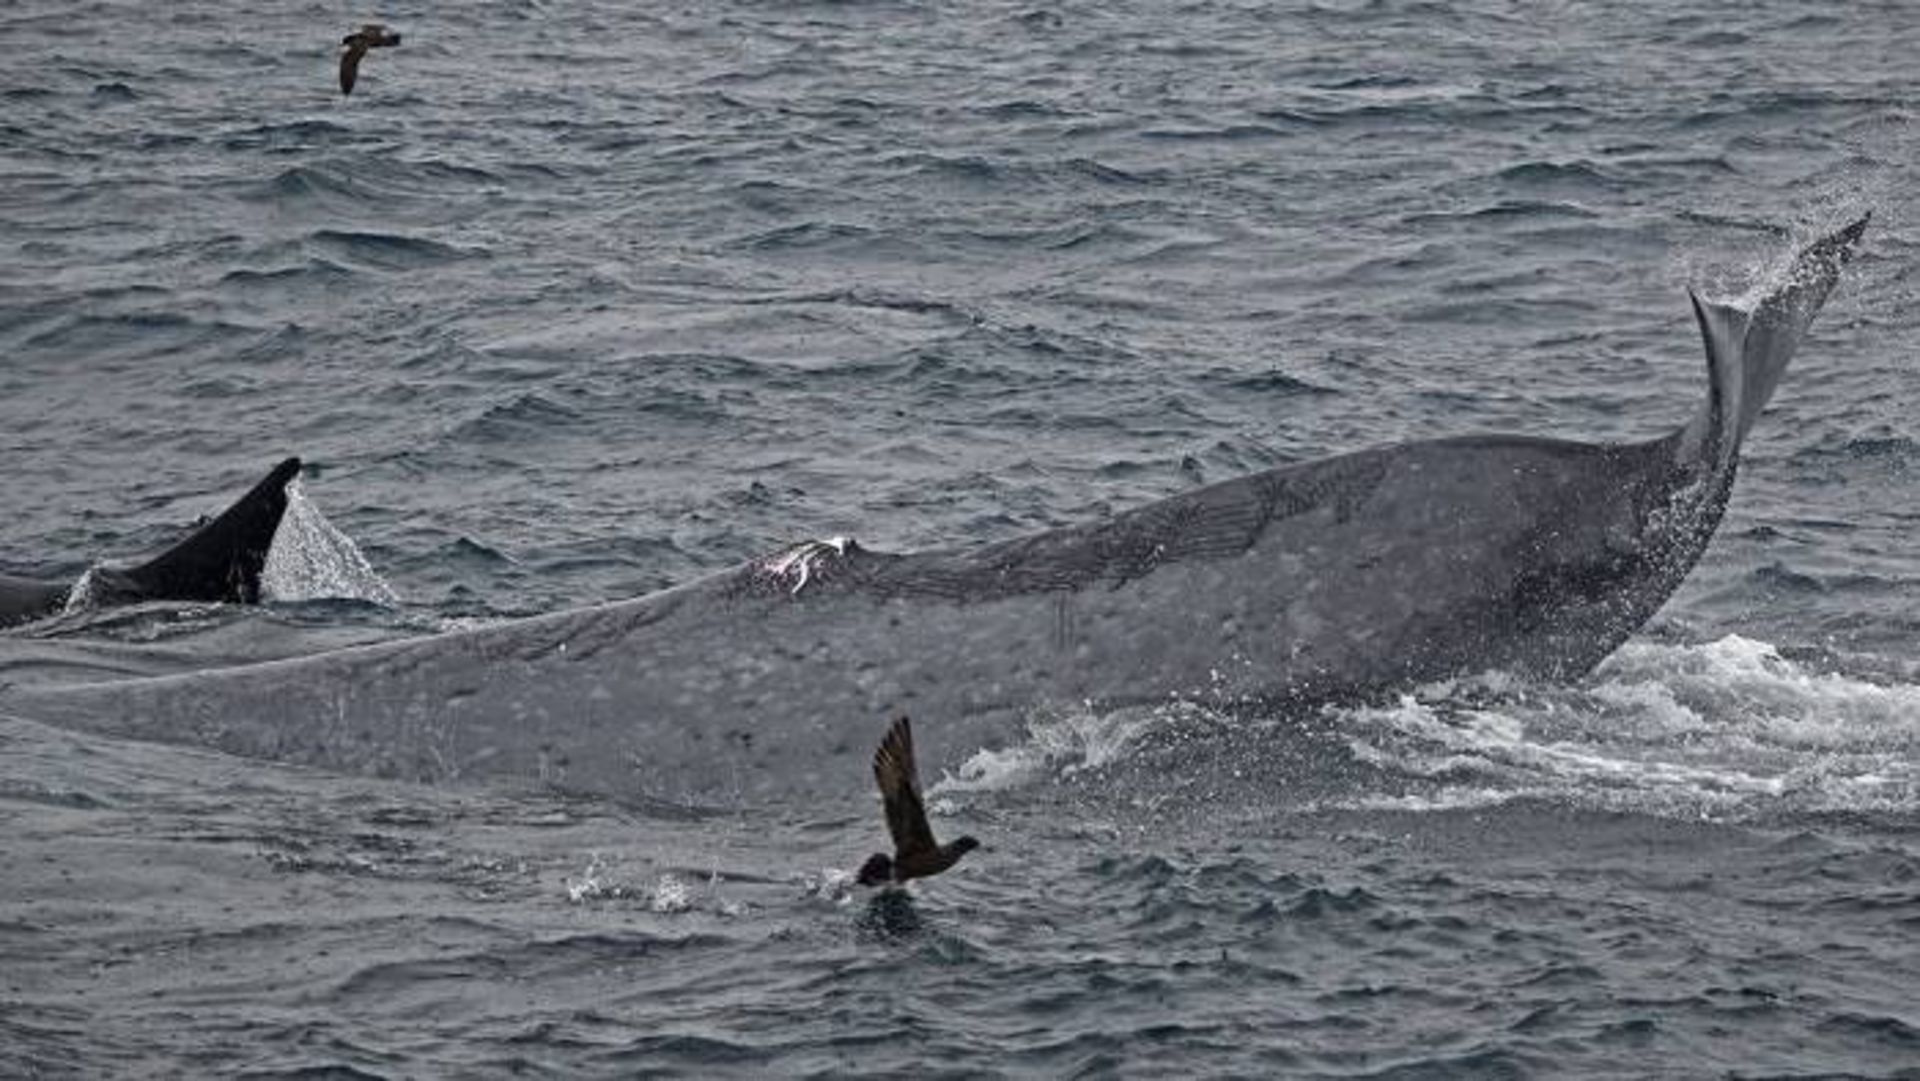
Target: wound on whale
219,561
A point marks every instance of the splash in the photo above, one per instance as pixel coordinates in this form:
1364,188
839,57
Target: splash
1764,265
591,885
1725,730
310,559
833,885
670,894
1728,729
1065,743
84,594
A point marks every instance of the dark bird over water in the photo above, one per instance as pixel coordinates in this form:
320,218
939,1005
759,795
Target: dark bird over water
915,853
355,45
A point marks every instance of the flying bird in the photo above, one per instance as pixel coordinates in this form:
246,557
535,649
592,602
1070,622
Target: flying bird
915,853
355,45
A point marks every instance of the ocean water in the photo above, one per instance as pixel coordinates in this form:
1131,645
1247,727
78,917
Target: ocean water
572,301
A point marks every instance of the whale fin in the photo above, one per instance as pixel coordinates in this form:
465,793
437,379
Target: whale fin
1723,329
223,559
1749,344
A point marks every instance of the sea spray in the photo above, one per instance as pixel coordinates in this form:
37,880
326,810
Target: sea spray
311,559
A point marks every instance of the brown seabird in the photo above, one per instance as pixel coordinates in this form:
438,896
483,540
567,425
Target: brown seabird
355,45
915,853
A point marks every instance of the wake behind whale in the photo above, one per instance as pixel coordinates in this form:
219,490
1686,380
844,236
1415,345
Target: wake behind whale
1332,580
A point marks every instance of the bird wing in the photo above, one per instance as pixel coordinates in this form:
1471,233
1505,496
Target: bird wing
899,780
350,66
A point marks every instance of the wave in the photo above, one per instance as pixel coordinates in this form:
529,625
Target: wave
297,134
1222,133
1277,383
521,419
973,168
877,297
313,183
113,93
389,251
1895,450
318,273
806,236
369,182
130,335
1504,208
1577,174
1023,109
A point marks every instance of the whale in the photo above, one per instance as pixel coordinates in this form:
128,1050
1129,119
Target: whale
219,561
1343,579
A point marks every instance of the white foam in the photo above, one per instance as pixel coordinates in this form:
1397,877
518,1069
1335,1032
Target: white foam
1062,743
1726,727
1720,729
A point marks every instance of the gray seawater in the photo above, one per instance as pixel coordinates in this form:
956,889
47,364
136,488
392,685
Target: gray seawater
571,301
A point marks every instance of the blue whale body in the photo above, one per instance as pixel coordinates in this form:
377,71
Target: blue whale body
1343,578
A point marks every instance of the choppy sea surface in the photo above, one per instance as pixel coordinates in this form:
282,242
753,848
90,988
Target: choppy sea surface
572,301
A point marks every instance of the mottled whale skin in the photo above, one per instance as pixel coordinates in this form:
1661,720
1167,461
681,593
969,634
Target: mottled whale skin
220,561
1337,579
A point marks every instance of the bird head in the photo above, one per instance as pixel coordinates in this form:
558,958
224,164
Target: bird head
964,845
877,870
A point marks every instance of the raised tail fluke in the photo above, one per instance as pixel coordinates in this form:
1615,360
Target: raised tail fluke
1750,341
223,559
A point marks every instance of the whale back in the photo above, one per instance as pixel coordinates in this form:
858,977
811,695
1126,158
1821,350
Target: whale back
23,599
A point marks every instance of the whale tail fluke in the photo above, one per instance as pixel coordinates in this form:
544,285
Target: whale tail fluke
1750,340
223,559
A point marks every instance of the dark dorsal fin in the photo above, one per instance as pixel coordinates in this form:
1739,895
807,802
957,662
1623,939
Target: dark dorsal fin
223,559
